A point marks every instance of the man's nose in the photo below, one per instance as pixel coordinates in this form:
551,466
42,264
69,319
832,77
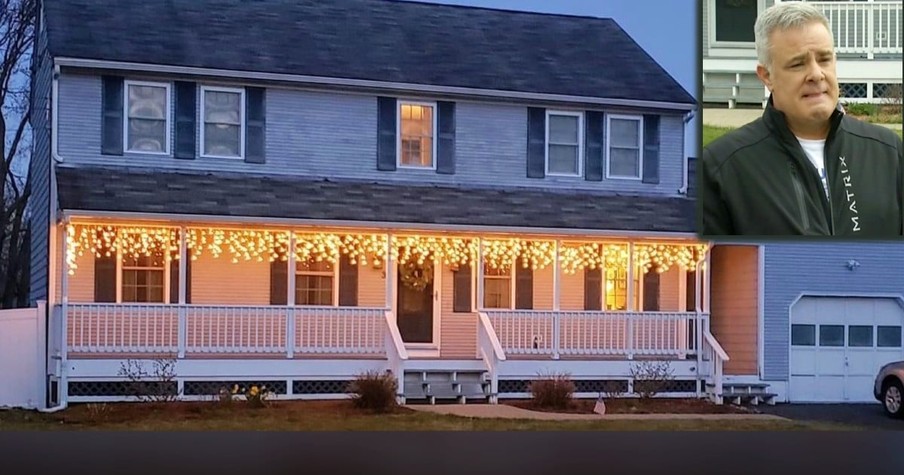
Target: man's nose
814,72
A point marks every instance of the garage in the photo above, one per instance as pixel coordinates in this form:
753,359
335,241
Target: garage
838,345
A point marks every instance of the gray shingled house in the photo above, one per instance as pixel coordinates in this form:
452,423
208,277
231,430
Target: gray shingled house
294,193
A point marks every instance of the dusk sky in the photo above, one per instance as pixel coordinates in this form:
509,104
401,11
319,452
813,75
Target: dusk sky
666,29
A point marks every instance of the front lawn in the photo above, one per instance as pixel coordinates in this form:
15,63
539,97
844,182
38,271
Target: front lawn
332,416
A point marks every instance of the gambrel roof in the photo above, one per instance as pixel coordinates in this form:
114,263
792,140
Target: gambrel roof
389,41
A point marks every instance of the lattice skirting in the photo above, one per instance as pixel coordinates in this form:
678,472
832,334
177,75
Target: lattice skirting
602,386
193,389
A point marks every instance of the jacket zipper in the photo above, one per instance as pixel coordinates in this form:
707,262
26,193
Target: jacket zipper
798,188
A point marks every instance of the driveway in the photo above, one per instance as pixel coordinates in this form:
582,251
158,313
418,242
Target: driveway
866,415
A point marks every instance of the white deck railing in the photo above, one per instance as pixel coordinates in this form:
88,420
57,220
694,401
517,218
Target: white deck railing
864,27
490,351
583,333
222,329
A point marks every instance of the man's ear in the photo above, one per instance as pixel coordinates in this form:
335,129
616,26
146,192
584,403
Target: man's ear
764,76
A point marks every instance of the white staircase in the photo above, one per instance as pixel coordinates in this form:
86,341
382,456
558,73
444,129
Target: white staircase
447,385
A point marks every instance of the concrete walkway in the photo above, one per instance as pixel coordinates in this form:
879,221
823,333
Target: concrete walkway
505,411
738,117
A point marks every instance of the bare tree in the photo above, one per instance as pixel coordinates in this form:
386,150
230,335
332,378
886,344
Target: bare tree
17,36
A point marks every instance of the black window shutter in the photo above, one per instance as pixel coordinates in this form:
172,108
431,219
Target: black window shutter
445,144
524,287
186,104
536,142
111,125
386,133
461,289
593,288
651,291
105,279
691,290
348,282
593,148
279,282
255,124
174,280
650,148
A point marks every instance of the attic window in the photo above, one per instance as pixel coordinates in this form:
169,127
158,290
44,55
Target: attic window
223,112
147,117
417,144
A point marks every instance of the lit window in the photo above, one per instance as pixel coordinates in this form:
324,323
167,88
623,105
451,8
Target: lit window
417,135
615,289
497,292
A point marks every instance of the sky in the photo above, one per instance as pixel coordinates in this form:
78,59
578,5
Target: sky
666,29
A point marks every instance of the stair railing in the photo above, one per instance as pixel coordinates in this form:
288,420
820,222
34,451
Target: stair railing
396,354
490,350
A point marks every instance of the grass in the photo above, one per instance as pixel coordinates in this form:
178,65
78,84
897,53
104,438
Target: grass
711,133
337,415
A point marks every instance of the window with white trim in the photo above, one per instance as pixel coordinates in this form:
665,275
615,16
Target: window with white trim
498,287
615,289
143,279
315,283
624,149
223,122
417,135
732,21
147,117
564,143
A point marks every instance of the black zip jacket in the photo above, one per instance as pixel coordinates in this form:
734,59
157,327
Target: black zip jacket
758,181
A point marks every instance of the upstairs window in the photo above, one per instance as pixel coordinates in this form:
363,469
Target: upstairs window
147,117
417,127
223,114
564,137
624,150
734,19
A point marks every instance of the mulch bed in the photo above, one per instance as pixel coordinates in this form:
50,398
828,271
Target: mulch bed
639,406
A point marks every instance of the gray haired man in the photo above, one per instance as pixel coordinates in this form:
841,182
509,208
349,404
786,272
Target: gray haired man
804,167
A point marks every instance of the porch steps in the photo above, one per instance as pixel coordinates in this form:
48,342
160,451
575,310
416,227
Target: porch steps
744,393
434,385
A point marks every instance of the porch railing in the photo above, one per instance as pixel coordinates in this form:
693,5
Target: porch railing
224,329
580,333
864,27
490,351
715,357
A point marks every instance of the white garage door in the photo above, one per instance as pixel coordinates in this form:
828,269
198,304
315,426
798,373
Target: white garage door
838,345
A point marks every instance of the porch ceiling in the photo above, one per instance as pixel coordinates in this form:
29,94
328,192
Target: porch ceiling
145,190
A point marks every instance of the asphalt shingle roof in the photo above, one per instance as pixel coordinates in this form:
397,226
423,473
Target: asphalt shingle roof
381,40
145,190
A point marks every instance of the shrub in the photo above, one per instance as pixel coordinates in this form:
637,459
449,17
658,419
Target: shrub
257,396
860,109
552,390
374,391
651,377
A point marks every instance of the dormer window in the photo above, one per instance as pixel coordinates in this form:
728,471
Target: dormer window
564,138
417,126
147,117
223,115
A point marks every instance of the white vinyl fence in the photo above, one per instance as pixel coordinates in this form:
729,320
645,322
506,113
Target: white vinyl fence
22,342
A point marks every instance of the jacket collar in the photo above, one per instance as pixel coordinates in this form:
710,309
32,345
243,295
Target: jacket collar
778,122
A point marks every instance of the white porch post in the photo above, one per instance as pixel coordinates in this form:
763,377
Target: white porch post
387,270
629,344
183,285
479,266
698,320
290,298
557,293
64,319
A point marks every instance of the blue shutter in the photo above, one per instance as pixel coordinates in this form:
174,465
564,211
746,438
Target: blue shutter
445,144
111,123
386,133
536,142
255,125
186,105
593,148
651,148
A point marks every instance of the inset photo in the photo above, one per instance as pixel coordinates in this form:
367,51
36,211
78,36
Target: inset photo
802,120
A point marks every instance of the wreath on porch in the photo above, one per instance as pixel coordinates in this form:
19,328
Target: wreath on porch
416,276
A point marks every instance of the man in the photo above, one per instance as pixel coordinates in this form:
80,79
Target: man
804,167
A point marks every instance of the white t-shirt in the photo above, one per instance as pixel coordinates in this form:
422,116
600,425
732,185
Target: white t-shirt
814,150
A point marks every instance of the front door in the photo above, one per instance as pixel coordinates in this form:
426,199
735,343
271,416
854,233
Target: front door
415,302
